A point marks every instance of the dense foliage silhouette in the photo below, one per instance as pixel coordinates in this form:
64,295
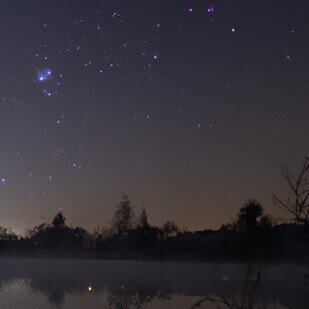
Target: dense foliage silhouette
252,235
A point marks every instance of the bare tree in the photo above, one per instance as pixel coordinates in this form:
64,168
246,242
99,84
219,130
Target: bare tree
247,299
298,183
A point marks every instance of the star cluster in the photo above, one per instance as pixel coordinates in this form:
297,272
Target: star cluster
183,105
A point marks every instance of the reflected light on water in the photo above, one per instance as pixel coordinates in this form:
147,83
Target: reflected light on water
84,284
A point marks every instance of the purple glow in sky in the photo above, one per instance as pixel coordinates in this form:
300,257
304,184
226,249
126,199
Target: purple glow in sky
211,10
44,75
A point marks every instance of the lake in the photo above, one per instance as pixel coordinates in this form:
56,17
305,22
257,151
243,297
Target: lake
52,283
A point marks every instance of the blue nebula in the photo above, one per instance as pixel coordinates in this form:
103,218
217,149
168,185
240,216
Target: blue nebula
44,75
47,81
211,10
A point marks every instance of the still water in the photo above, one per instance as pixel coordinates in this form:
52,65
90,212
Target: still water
35,283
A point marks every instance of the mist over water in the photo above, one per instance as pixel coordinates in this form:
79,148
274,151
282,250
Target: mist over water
35,283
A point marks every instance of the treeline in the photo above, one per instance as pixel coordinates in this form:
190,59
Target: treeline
253,234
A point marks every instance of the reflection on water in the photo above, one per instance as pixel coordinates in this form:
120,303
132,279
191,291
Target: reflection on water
130,284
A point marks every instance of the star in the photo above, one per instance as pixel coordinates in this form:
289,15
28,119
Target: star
47,93
44,75
211,10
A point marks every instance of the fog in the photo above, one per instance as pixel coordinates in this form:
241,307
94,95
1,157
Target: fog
33,283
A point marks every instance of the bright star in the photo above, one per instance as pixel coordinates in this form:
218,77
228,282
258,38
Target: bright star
210,10
48,93
44,75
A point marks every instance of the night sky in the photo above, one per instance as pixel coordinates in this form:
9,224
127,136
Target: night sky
183,105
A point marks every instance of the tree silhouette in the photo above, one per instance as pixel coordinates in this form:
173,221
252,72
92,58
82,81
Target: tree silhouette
7,235
298,183
251,235
248,299
142,221
252,229
123,216
170,228
59,220
249,214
